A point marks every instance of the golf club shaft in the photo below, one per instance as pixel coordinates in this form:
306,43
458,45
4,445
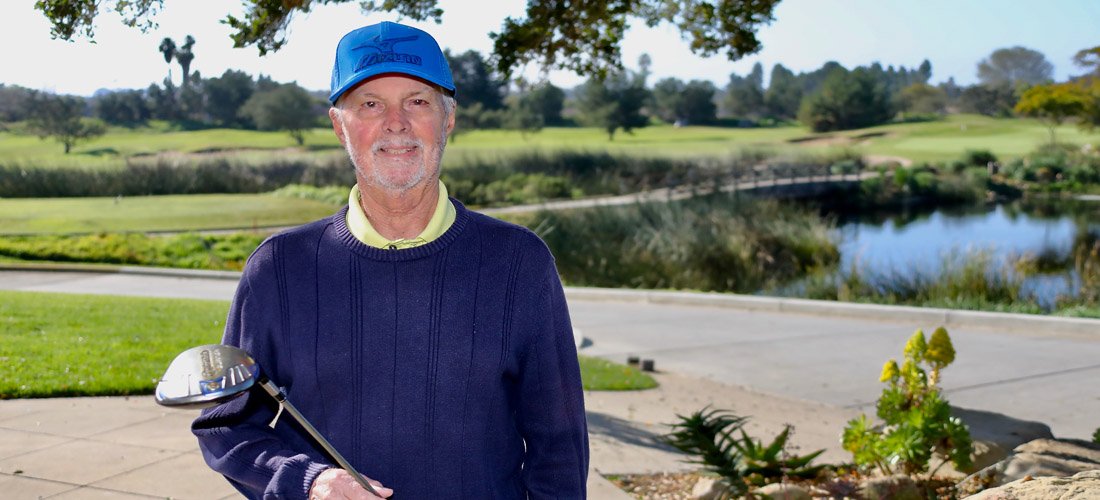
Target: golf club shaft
279,396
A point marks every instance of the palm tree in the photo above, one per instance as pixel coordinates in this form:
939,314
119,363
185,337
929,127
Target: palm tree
184,57
168,48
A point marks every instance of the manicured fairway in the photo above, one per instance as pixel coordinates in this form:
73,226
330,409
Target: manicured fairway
155,213
926,141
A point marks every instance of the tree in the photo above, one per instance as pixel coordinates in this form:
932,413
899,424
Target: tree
168,49
1090,115
184,56
996,100
125,107
847,100
14,102
523,115
1089,59
225,95
288,107
61,118
548,100
784,94
583,37
475,80
613,103
745,95
924,71
678,102
163,104
1053,103
921,98
1014,66
667,95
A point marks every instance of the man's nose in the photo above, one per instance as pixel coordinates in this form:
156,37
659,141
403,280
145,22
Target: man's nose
396,120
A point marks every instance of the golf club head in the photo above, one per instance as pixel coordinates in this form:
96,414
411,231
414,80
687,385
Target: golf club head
205,376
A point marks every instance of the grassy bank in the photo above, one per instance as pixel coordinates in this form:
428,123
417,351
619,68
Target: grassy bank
156,213
54,345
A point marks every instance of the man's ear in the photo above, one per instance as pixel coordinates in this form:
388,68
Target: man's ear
451,120
337,125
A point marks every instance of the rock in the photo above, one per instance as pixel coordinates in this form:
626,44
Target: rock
783,491
1038,458
896,487
1081,486
707,488
996,435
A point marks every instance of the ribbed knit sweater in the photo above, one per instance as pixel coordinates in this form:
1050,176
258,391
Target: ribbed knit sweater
444,371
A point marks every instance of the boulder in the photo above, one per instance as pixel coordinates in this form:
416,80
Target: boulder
782,491
1081,486
896,487
1038,458
707,488
996,435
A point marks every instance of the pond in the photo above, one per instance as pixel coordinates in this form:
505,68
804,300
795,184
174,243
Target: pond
907,243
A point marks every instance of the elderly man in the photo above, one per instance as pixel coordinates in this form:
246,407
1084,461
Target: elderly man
429,343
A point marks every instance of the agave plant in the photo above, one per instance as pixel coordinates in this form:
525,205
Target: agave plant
711,437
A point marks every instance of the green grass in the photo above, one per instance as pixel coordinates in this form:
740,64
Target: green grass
155,213
924,141
602,375
56,345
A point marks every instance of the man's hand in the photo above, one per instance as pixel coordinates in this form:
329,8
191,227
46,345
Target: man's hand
337,484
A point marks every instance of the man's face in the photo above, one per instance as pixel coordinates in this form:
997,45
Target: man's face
394,129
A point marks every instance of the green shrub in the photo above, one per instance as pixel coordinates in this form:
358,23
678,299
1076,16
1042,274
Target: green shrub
917,421
978,157
333,195
194,251
717,440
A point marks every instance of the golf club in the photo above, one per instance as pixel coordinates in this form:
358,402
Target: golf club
209,375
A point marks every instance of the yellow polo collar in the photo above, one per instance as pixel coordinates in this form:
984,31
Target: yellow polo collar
363,231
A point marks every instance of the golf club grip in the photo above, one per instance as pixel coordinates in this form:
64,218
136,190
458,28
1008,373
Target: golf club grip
279,396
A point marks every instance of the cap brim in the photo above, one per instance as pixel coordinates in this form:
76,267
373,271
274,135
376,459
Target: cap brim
384,70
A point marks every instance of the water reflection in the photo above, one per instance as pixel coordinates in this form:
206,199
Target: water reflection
911,244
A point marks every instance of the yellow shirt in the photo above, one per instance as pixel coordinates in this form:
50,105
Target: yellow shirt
362,229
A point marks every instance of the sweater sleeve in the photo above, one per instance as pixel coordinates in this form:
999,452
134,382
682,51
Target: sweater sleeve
235,438
550,413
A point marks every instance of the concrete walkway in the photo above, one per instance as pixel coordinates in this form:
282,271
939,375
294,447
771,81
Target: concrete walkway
808,363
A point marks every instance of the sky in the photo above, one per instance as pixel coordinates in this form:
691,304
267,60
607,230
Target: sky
954,35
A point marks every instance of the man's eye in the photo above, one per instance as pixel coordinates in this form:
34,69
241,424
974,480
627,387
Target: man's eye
419,102
370,104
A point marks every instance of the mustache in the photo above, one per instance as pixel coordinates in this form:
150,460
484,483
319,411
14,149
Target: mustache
397,144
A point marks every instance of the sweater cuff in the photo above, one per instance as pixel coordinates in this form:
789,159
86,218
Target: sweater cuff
313,470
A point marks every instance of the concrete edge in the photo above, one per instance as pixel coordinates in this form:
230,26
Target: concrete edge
920,316
1025,323
116,269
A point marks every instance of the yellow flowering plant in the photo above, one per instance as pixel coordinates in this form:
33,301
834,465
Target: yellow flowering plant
916,420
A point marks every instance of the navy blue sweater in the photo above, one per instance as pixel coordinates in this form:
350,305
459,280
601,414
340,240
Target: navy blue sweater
444,371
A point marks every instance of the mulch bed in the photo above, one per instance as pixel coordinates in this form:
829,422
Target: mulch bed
678,486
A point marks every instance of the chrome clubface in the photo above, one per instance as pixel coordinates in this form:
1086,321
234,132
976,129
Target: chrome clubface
206,375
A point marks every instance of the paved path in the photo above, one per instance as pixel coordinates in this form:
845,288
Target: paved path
1036,372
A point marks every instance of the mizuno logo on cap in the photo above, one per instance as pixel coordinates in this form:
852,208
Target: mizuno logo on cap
385,52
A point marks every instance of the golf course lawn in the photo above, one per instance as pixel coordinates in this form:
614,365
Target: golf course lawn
155,213
54,345
923,141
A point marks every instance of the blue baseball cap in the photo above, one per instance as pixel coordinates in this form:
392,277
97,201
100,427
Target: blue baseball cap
388,48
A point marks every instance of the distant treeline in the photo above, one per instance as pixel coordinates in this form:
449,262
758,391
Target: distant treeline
829,98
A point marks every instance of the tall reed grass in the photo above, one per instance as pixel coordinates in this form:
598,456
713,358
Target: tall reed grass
715,243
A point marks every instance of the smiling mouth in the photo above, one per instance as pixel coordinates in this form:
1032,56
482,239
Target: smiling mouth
397,150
